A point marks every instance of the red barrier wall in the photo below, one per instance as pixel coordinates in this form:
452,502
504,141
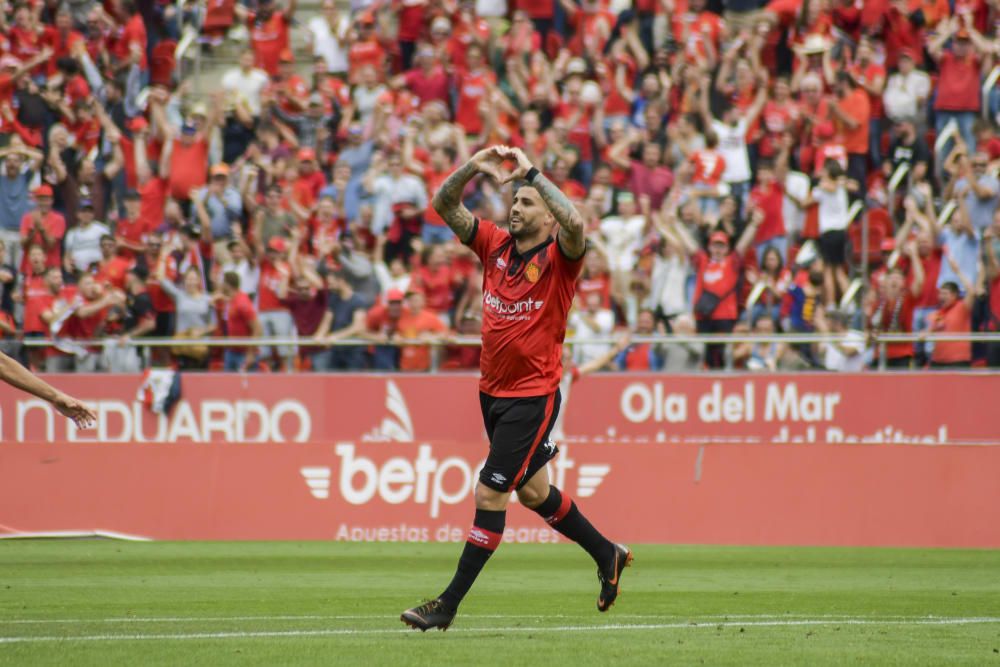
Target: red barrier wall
939,408
893,495
708,459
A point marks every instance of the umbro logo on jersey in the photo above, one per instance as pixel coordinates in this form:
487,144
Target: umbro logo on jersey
501,263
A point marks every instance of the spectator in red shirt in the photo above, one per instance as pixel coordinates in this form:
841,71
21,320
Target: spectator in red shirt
718,273
767,200
382,326
852,110
438,281
113,268
44,227
472,84
238,319
272,292
954,316
428,80
958,84
269,32
891,310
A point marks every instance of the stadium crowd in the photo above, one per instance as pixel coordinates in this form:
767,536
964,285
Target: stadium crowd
725,155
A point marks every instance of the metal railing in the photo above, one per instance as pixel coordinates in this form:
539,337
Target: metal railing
873,340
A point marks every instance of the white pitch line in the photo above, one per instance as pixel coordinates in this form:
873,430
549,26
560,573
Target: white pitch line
356,617
516,629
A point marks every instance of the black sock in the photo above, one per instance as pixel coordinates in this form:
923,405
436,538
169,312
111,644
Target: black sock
484,537
560,512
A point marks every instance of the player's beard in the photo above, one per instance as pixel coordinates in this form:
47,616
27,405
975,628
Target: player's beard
522,231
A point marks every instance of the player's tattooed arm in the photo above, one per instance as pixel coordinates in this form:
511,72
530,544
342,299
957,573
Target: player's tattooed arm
448,202
448,199
571,236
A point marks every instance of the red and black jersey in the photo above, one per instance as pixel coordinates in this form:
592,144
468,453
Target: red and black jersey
526,299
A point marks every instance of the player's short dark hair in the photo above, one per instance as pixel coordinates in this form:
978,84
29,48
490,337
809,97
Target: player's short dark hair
231,279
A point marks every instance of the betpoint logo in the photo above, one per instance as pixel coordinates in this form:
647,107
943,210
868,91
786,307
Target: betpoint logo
398,427
426,480
501,307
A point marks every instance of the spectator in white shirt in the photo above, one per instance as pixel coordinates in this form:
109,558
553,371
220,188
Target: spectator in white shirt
846,355
623,234
591,321
328,35
831,196
246,81
906,91
83,242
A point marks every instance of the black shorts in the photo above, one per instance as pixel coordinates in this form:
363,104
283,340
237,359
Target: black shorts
518,429
833,247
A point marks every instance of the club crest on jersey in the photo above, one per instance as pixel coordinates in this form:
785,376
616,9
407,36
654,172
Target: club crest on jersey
532,273
501,263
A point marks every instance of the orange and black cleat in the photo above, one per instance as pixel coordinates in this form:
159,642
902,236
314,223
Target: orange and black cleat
611,575
433,614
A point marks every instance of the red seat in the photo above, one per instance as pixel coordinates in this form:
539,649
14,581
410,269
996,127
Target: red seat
879,217
876,235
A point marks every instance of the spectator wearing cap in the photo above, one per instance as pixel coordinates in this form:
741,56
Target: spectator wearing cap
187,157
20,163
382,327
82,247
269,32
272,310
309,181
907,90
366,50
328,34
247,82
344,317
218,206
237,319
958,86
44,227
718,271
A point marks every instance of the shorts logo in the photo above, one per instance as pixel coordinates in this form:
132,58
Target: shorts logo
550,447
498,478
532,273
501,264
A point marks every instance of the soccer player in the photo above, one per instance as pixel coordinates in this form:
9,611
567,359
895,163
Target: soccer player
528,288
18,376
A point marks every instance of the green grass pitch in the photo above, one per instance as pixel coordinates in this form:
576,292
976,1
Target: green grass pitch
113,603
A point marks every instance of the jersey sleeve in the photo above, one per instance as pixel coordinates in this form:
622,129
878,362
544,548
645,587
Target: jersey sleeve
564,266
486,237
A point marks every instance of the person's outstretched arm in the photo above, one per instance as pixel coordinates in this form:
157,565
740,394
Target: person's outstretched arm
20,377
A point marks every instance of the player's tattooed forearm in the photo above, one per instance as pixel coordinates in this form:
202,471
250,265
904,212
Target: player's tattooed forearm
448,202
572,234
